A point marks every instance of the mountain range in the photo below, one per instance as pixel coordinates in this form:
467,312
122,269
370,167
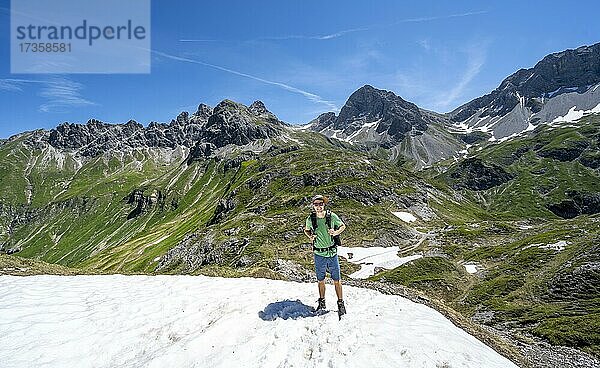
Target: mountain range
506,186
560,88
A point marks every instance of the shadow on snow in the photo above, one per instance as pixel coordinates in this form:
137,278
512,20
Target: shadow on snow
287,309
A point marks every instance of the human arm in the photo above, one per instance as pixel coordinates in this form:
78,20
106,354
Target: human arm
308,230
338,231
337,224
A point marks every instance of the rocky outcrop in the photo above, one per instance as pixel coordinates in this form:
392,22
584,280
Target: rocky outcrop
474,174
234,123
577,203
590,159
236,162
224,206
566,151
323,121
202,114
576,282
259,109
276,150
15,216
474,137
293,271
200,150
197,250
143,203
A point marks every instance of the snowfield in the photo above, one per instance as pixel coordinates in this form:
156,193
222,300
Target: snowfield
372,257
196,321
405,216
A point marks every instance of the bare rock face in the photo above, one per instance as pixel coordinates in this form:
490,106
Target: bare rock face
197,250
576,204
146,202
474,174
568,151
259,109
202,114
394,116
323,121
557,83
398,116
204,131
377,118
200,150
562,70
224,206
234,123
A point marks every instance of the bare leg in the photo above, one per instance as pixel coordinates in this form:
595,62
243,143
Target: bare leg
338,289
321,289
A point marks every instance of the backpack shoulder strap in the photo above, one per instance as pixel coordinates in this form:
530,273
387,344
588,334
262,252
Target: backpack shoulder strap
328,218
313,220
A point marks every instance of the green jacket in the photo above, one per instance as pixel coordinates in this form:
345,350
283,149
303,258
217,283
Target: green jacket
324,240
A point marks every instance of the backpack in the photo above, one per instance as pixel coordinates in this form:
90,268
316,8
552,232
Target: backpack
337,242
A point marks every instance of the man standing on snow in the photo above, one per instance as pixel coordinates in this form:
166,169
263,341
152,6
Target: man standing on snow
322,228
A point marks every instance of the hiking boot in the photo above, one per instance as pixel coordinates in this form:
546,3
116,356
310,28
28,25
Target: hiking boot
341,308
321,305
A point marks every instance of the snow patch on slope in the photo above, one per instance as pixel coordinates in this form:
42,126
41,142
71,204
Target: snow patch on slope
197,321
372,257
405,216
574,114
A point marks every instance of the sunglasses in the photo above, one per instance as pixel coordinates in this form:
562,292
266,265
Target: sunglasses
318,203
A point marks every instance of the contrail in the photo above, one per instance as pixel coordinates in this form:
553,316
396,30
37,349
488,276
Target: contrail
347,31
311,96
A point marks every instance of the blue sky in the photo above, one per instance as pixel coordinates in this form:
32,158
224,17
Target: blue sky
302,58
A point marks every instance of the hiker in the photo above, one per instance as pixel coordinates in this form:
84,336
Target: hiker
323,228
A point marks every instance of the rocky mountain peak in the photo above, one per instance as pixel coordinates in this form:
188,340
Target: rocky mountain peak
133,123
380,118
323,121
183,118
234,123
203,112
567,71
259,109
368,104
204,131
228,110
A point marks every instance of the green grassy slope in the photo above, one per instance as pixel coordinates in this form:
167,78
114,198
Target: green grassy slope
538,273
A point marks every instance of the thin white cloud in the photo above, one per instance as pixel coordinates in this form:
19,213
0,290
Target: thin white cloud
9,86
14,85
344,32
476,59
62,93
446,85
427,19
317,37
311,96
